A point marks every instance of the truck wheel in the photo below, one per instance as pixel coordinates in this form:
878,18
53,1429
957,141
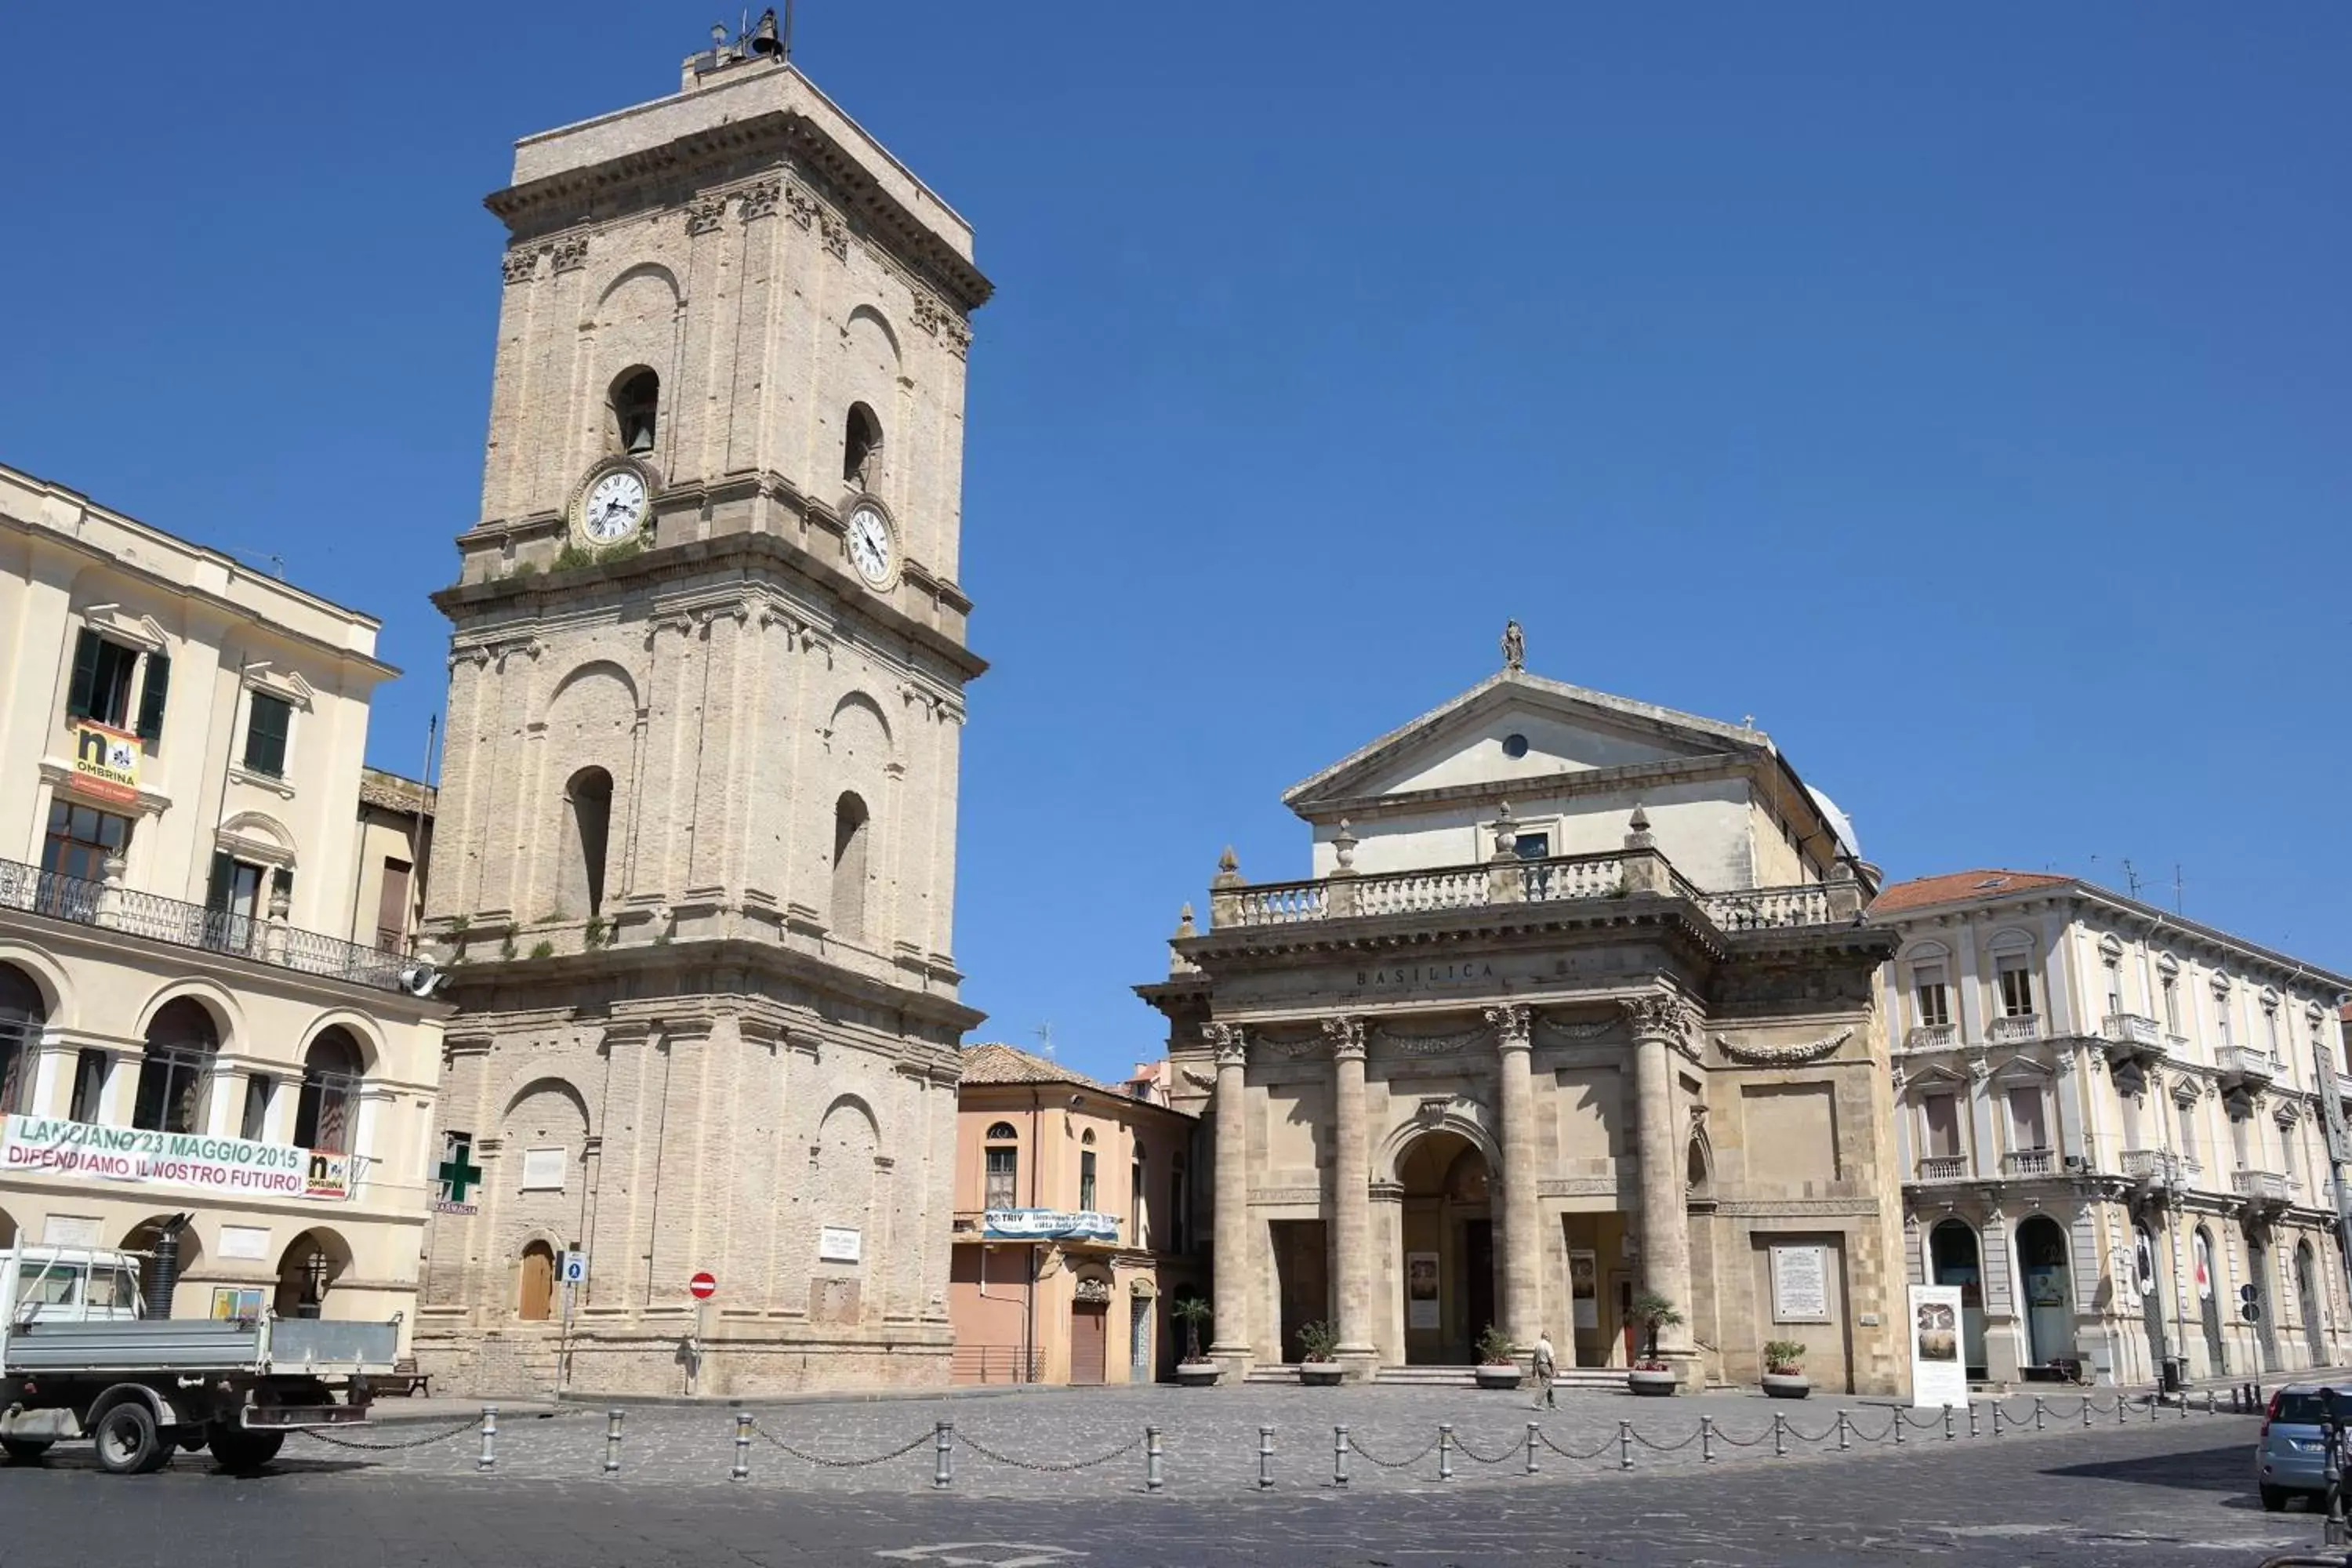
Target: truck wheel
238,1449
128,1442
24,1450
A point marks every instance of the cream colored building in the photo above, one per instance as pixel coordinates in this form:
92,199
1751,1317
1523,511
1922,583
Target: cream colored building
395,839
1073,1226
1575,1003
2113,1125
694,854
183,1027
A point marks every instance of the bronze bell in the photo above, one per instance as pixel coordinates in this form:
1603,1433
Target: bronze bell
764,37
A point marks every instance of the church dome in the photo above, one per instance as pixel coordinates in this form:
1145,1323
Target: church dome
1839,822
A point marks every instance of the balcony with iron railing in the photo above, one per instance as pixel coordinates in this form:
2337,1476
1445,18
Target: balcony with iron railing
1556,879
110,905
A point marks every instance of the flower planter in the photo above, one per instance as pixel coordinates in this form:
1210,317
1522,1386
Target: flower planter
1653,1385
1500,1376
1787,1384
1319,1373
1197,1374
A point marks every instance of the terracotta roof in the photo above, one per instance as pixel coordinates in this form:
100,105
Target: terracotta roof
391,791
1958,887
1003,1064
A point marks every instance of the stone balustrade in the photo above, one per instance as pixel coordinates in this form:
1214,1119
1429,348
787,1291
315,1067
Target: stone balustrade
1931,1037
2243,1061
1769,908
1410,892
2131,1029
2014,1030
2027,1163
1944,1168
2267,1186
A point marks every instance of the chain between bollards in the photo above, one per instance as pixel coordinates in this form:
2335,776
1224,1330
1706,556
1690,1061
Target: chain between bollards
1339,1455
489,1459
1625,1445
943,1461
1445,1450
1706,1439
1264,1457
742,1467
1152,1478
611,1442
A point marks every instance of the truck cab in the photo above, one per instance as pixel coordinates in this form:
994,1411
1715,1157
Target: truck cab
69,1285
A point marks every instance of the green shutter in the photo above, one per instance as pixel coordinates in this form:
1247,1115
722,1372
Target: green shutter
223,880
265,735
85,675
153,697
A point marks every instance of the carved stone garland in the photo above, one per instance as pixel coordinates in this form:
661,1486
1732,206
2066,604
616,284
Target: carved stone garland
1782,1055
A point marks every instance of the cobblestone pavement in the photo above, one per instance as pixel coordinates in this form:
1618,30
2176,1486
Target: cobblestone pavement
2162,1495
1061,1444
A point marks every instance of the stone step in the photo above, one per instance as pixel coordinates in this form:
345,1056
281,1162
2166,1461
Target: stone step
1583,1377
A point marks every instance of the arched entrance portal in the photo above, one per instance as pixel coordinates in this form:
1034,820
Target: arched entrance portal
2049,1291
2307,1287
1448,1268
307,1272
1953,1260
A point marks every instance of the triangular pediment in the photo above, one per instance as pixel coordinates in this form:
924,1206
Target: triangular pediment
1516,727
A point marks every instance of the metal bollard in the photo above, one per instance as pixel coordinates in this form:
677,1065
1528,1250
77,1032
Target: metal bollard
943,1456
2087,1413
1948,1422
1264,1456
1531,1448
611,1442
1152,1479
1625,1445
2208,1402
742,1467
1996,1417
2155,1409
489,1459
1898,1425
1841,1432
2037,1413
2184,1405
1779,1435
2122,1405
1972,1418
1339,1455
1445,1450
1706,1439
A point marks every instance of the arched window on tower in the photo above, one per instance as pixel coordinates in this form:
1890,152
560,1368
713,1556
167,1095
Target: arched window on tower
851,832
1003,1188
633,410
861,447
587,832
329,1110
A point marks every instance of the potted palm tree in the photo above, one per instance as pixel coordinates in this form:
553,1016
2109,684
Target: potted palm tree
1650,1375
1195,1371
1784,1370
1496,1369
1318,1366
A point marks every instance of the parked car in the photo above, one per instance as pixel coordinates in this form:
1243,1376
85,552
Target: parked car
2291,1456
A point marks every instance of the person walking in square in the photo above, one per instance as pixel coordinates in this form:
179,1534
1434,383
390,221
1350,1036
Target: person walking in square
1544,1364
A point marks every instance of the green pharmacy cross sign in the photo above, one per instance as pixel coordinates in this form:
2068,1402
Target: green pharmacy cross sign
457,1175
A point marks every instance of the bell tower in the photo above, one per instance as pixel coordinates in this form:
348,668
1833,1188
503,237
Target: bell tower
695,867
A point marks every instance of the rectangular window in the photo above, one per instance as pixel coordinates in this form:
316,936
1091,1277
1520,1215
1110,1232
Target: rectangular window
88,1087
19,1041
81,837
269,720
2016,977
1086,1181
2171,1005
2115,988
2027,1129
542,1170
101,686
1135,1232
2185,1116
255,1124
234,898
1533,846
2286,1152
1943,1114
1003,1191
1935,1001
2222,1018
170,1090
2270,1027
391,908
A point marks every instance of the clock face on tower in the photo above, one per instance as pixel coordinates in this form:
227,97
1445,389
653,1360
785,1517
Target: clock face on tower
873,546
613,503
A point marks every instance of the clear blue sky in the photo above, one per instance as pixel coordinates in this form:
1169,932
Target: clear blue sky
1961,392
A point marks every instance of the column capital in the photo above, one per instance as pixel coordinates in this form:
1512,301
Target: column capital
1346,1036
1230,1043
1660,1015
1513,1022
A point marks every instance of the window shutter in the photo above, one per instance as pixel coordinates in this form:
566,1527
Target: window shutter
152,699
85,675
224,878
265,735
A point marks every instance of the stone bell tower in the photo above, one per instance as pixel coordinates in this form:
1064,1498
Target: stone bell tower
694,872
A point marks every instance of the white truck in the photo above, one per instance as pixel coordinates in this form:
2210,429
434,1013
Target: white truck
79,1359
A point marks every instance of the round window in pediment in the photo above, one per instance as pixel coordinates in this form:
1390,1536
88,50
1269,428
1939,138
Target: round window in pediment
1515,745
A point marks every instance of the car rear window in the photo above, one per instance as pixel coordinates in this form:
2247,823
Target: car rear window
2310,1408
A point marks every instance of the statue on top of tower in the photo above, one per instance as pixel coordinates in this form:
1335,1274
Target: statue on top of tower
1514,647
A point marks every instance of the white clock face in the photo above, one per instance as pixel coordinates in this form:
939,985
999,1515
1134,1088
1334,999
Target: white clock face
614,506
871,549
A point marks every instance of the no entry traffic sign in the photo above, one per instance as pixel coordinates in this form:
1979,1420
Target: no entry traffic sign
705,1285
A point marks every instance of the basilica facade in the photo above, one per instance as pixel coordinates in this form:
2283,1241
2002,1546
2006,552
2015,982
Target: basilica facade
1576,1006
694,875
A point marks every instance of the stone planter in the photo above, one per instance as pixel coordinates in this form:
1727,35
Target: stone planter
1787,1384
1197,1374
1320,1373
1657,1385
1502,1375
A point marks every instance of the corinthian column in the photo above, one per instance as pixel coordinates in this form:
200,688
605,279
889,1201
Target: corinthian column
1351,1197
1662,1021
1522,1242
1230,1341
